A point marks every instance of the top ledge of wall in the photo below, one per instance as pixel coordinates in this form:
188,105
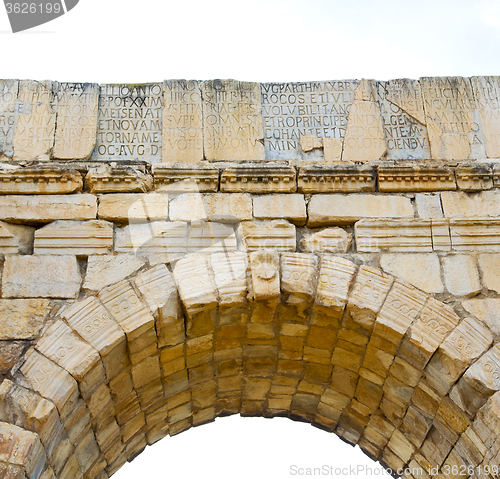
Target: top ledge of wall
447,119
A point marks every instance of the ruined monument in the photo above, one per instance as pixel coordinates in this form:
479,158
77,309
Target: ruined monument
173,252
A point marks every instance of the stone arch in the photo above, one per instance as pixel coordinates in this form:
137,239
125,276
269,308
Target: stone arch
316,338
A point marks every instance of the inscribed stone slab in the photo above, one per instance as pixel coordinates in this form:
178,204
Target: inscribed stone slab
77,106
182,122
130,123
403,117
232,121
454,130
293,110
8,103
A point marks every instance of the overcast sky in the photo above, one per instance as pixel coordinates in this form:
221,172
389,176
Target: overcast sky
260,40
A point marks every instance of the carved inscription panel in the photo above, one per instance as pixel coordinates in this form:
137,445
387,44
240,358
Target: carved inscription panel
130,123
293,110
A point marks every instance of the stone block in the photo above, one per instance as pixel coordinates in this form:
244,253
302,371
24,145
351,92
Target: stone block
210,237
117,179
265,275
329,240
80,238
126,207
336,179
182,129
22,318
230,276
103,270
280,206
9,90
487,310
428,205
489,265
326,210
364,136
47,208
15,239
10,353
335,278
459,203
188,207
181,178
76,126
129,123
165,237
259,179
299,274
475,234
228,208
441,236
232,121
41,180
373,236
421,270
394,179
474,177
461,275
41,277
277,234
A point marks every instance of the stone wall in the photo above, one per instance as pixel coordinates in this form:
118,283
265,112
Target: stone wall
450,118
143,297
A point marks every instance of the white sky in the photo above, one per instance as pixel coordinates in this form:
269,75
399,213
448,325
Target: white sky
259,40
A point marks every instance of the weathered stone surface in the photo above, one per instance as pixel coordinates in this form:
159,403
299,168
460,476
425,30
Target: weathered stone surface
486,93
278,235
399,235
325,210
420,270
475,234
428,206
103,270
153,237
44,209
445,100
461,276
416,178
188,207
487,310
16,238
309,143
8,111
490,269
10,353
335,278
258,179
115,179
330,240
35,120
336,179
364,136
22,318
485,203
182,122
76,129
228,208
130,123
124,207
291,110
299,273
474,177
80,238
39,180
210,237
287,207
230,276
403,118
265,274
181,178
232,121
41,277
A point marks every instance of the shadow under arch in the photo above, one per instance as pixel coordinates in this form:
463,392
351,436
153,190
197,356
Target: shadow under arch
320,339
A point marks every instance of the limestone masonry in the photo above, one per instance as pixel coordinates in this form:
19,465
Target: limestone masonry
178,251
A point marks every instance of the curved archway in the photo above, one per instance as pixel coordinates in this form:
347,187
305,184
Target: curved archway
343,346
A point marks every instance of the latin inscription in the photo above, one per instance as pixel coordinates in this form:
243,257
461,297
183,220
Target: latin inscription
182,122
293,110
8,103
130,123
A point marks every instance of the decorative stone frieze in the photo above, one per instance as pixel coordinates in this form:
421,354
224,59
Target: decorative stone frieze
80,238
258,179
16,238
278,235
39,181
180,178
336,179
415,178
474,177
117,180
329,240
475,234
